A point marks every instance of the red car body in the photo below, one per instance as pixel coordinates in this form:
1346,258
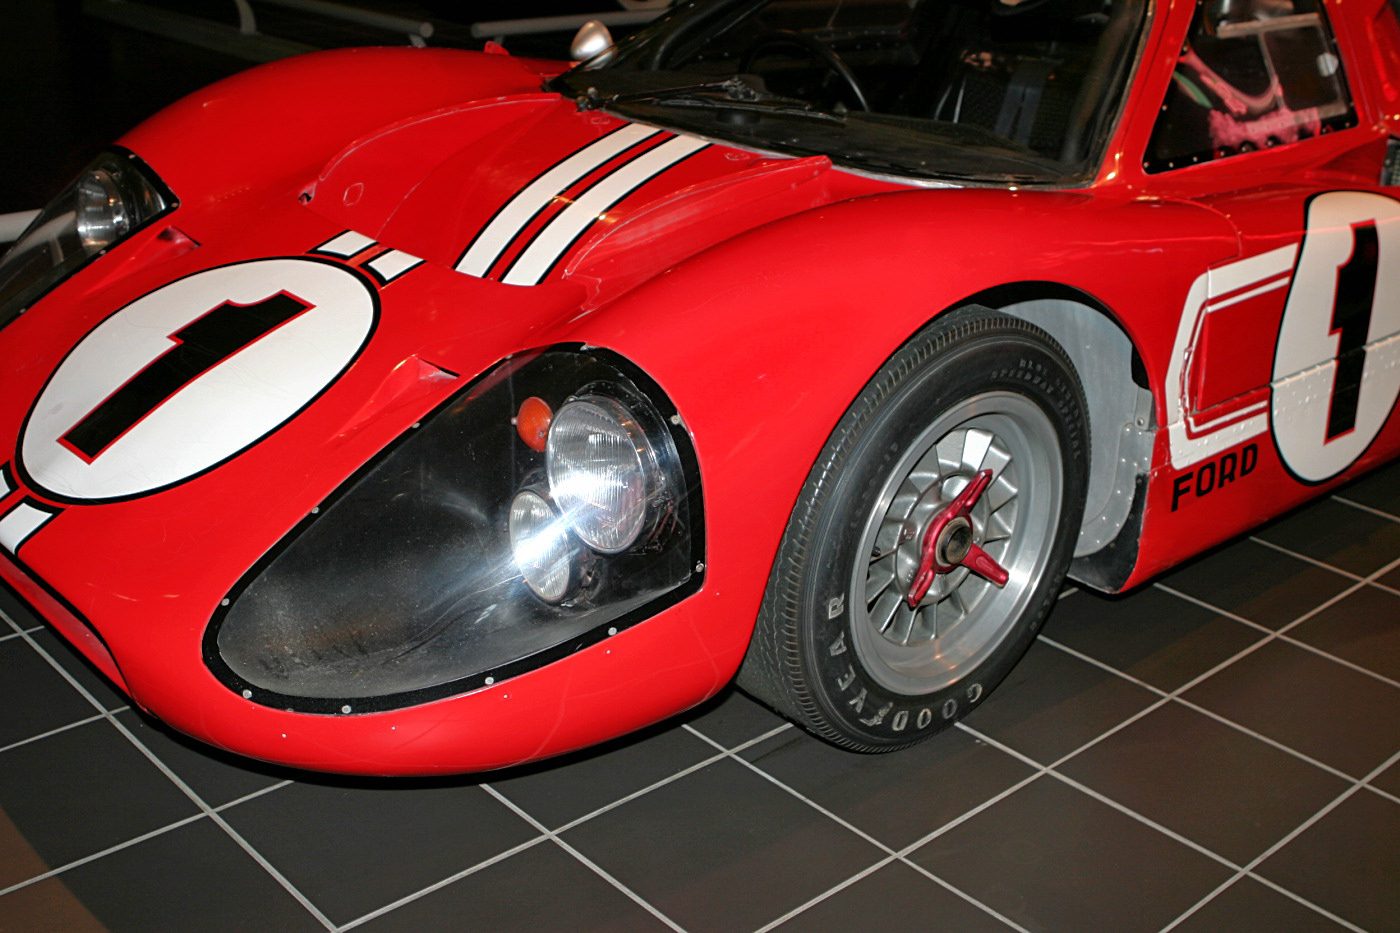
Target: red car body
743,283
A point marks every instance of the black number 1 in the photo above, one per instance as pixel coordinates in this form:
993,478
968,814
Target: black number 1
1351,320
200,345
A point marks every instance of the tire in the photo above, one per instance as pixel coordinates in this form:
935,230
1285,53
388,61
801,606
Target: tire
837,646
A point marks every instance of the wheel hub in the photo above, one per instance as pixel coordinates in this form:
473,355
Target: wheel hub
946,567
955,541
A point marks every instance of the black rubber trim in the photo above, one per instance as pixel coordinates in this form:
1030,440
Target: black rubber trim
1109,567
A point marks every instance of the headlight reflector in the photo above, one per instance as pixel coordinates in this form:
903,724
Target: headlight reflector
102,216
601,467
543,550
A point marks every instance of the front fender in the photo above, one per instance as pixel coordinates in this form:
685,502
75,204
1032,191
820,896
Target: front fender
763,341
276,125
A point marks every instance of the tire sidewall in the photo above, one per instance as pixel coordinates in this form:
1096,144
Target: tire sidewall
1000,359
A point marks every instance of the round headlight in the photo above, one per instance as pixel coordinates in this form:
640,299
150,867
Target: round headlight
102,216
600,467
541,546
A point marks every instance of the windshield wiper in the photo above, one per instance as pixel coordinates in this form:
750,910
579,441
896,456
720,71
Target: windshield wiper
770,106
735,89
732,94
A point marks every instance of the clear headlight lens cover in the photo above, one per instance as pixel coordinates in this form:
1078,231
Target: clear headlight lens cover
448,563
113,197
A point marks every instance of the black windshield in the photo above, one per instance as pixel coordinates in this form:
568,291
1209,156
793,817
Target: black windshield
959,89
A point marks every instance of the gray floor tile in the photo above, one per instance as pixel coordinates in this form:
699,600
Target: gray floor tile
1150,634
1389,780
556,792
1352,539
354,846
1052,703
733,718
1052,858
899,797
1379,489
1363,628
1257,583
1347,862
1329,712
1250,907
722,849
892,899
75,793
216,776
540,889
191,878
78,667
34,698
1229,792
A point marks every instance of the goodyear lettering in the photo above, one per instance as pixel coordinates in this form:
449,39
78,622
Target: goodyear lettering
879,716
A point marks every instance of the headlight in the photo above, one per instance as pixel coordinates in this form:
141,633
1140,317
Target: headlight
478,547
545,552
113,197
601,466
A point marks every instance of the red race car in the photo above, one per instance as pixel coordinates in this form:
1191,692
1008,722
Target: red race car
410,411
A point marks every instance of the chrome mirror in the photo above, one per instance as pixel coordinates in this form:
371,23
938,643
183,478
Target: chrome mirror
592,38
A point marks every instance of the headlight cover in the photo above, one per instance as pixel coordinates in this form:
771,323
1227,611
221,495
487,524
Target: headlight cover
115,196
447,564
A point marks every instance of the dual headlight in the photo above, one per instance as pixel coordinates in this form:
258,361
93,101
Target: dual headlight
547,507
114,197
612,476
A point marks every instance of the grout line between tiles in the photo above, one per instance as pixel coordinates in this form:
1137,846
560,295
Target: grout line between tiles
691,769
1258,860
22,632
585,860
829,892
45,735
437,885
1169,833
184,788
1282,633
1244,730
1298,555
136,840
1380,513
854,829
553,835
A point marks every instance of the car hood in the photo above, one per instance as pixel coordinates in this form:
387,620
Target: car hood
155,444
527,189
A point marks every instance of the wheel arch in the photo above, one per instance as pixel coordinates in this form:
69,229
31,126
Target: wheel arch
1121,414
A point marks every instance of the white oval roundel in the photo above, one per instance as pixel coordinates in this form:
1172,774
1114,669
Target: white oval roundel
193,373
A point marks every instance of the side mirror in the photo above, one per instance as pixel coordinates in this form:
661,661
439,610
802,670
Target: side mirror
592,38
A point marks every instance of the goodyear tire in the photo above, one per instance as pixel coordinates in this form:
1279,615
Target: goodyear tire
845,644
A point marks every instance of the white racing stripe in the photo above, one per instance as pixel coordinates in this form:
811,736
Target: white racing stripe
392,265
521,209
19,523
559,234
345,245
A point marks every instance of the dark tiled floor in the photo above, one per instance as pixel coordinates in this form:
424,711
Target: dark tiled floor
1218,751
1202,754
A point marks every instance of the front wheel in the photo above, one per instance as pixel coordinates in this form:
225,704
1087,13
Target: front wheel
930,538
